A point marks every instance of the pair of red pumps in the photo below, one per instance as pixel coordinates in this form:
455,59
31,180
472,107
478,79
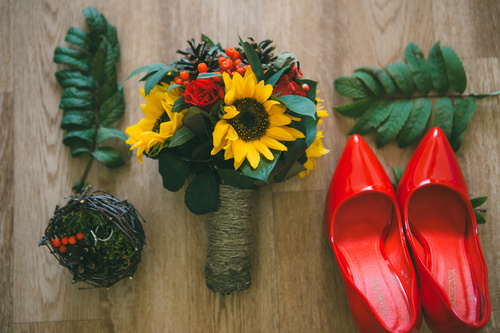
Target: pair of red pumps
369,238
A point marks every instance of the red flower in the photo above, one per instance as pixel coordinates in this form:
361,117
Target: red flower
203,93
286,86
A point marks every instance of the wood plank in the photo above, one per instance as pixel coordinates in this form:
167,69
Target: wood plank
7,49
7,210
44,171
87,326
469,27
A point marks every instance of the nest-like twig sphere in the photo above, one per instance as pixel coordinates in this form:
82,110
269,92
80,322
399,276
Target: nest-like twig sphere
97,237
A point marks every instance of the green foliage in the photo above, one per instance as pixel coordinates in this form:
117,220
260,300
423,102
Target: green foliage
202,194
92,100
397,101
476,203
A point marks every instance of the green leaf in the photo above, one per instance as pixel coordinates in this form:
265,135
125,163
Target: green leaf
236,179
78,146
311,94
373,117
108,156
456,143
273,79
477,202
398,173
263,169
69,78
384,78
71,118
173,171
99,62
253,59
309,125
112,109
154,79
73,58
393,125
96,24
479,218
181,136
180,105
443,115
351,87
202,194
370,82
454,69
400,73
415,126
284,60
206,38
463,110
104,133
73,98
438,70
137,71
496,93
208,75
419,68
86,134
300,105
291,158
78,37
356,108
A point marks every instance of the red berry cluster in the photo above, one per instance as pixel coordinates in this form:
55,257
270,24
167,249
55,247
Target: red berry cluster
232,63
62,243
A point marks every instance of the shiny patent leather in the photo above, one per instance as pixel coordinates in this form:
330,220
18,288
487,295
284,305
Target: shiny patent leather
363,226
442,234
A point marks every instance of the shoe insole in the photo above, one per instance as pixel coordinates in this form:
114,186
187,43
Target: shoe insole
361,227
438,219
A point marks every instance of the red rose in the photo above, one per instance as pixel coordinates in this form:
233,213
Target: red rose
286,86
203,93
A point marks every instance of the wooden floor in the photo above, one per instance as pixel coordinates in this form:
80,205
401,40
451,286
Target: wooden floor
296,284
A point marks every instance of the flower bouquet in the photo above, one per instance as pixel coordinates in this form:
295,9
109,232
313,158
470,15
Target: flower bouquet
228,120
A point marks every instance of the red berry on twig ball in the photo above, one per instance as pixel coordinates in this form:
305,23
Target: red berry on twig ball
56,242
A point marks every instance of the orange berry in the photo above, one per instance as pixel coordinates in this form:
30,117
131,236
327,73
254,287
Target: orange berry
235,55
221,60
305,86
241,70
178,80
225,65
63,248
72,240
230,51
202,67
64,240
79,236
185,83
56,242
184,75
236,63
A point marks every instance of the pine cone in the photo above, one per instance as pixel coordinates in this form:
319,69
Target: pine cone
264,51
196,55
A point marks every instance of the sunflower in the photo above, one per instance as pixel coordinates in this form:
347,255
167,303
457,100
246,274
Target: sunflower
316,149
252,123
160,123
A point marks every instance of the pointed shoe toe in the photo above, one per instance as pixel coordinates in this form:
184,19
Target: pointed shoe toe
441,230
364,228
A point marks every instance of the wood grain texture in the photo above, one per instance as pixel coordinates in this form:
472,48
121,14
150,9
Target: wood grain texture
297,285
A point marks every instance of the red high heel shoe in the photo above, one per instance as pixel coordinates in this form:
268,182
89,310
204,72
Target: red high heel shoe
442,233
363,226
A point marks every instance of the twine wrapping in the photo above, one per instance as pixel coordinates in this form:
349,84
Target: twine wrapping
230,240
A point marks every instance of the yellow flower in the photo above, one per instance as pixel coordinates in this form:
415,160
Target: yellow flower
160,123
252,123
316,149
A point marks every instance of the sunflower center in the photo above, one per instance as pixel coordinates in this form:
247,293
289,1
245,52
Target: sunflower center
252,121
163,118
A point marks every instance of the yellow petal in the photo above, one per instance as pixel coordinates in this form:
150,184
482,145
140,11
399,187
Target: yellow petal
230,111
263,92
228,154
272,143
294,132
219,132
230,97
279,120
231,134
253,155
274,107
263,149
228,84
240,152
279,133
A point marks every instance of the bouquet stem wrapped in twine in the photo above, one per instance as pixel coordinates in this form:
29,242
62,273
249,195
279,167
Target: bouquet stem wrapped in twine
230,242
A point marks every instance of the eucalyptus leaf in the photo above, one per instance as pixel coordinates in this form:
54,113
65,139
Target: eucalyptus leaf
443,115
373,117
384,78
104,133
173,170
202,194
311,94
400,73
463,110
263,169
415,126
208,75
108,156
356,108
300,105
284,60
394,123
438,69
419,68
351,87
455,70
371,83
